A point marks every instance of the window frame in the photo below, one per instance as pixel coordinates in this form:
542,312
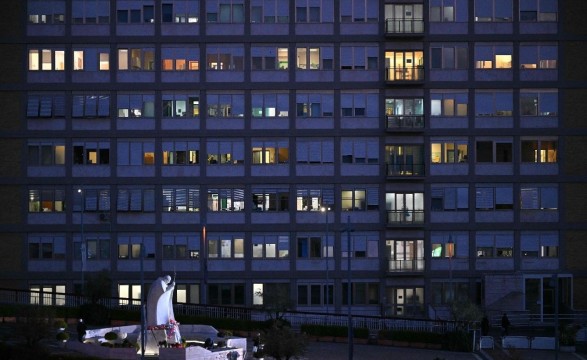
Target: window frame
135,199
216,152
449,103
544,149
448,151
191,14
541,197
55,12
540,100
51,196
269,151
180,58
225,105
314,105
312,198
46,59
271,246
136,58
184,246
496,6
486,56
46,247
180,198
46,152
305,54
173,149
218,54
225,246
269,11
449,198
224,199
500,195
99,148
126,152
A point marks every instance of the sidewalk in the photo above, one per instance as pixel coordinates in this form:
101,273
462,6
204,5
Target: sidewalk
338,351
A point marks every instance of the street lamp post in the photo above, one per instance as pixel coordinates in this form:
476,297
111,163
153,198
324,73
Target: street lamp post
143,305
554,282
326,210
83,242
450,251
348,230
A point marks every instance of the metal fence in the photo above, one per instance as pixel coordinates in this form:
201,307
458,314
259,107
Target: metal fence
297,319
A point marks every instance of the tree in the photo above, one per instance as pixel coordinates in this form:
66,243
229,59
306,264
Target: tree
34,323
279,340
466,312
282,343
276,301
98,286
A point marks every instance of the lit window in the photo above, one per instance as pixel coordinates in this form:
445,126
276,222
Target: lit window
539,150
448,151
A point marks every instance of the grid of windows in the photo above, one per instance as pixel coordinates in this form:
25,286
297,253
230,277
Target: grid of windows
239,123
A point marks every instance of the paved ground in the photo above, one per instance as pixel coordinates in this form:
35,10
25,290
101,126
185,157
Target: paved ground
336,351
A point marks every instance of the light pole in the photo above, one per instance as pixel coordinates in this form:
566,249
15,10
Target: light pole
326,210
143,306
83,242
348,230
554,282
450,250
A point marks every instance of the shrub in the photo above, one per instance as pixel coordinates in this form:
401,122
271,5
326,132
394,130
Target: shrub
458,340
60,324
337,331
62,336
411,336
95,314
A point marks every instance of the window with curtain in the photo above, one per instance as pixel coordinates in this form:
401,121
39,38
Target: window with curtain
539,197
314,151
491,198
135,200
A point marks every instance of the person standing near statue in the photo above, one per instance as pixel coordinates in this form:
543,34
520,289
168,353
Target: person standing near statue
505,325
485,326
81,330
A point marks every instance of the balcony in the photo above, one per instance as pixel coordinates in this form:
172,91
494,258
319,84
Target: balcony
405,75
413,265
405,217
404,27
396,123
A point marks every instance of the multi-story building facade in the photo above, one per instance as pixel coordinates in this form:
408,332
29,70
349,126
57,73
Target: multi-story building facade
252,147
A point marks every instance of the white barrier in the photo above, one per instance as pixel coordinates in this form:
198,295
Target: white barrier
486,342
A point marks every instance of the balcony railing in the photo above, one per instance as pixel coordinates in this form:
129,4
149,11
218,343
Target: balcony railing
404,26
405,217
407,169
406,265
405,122
412,73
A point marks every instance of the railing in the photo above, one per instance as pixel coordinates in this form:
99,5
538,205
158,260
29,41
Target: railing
406,265
404,26
404,122
412,73
405,169
405,217
525,319
371,322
